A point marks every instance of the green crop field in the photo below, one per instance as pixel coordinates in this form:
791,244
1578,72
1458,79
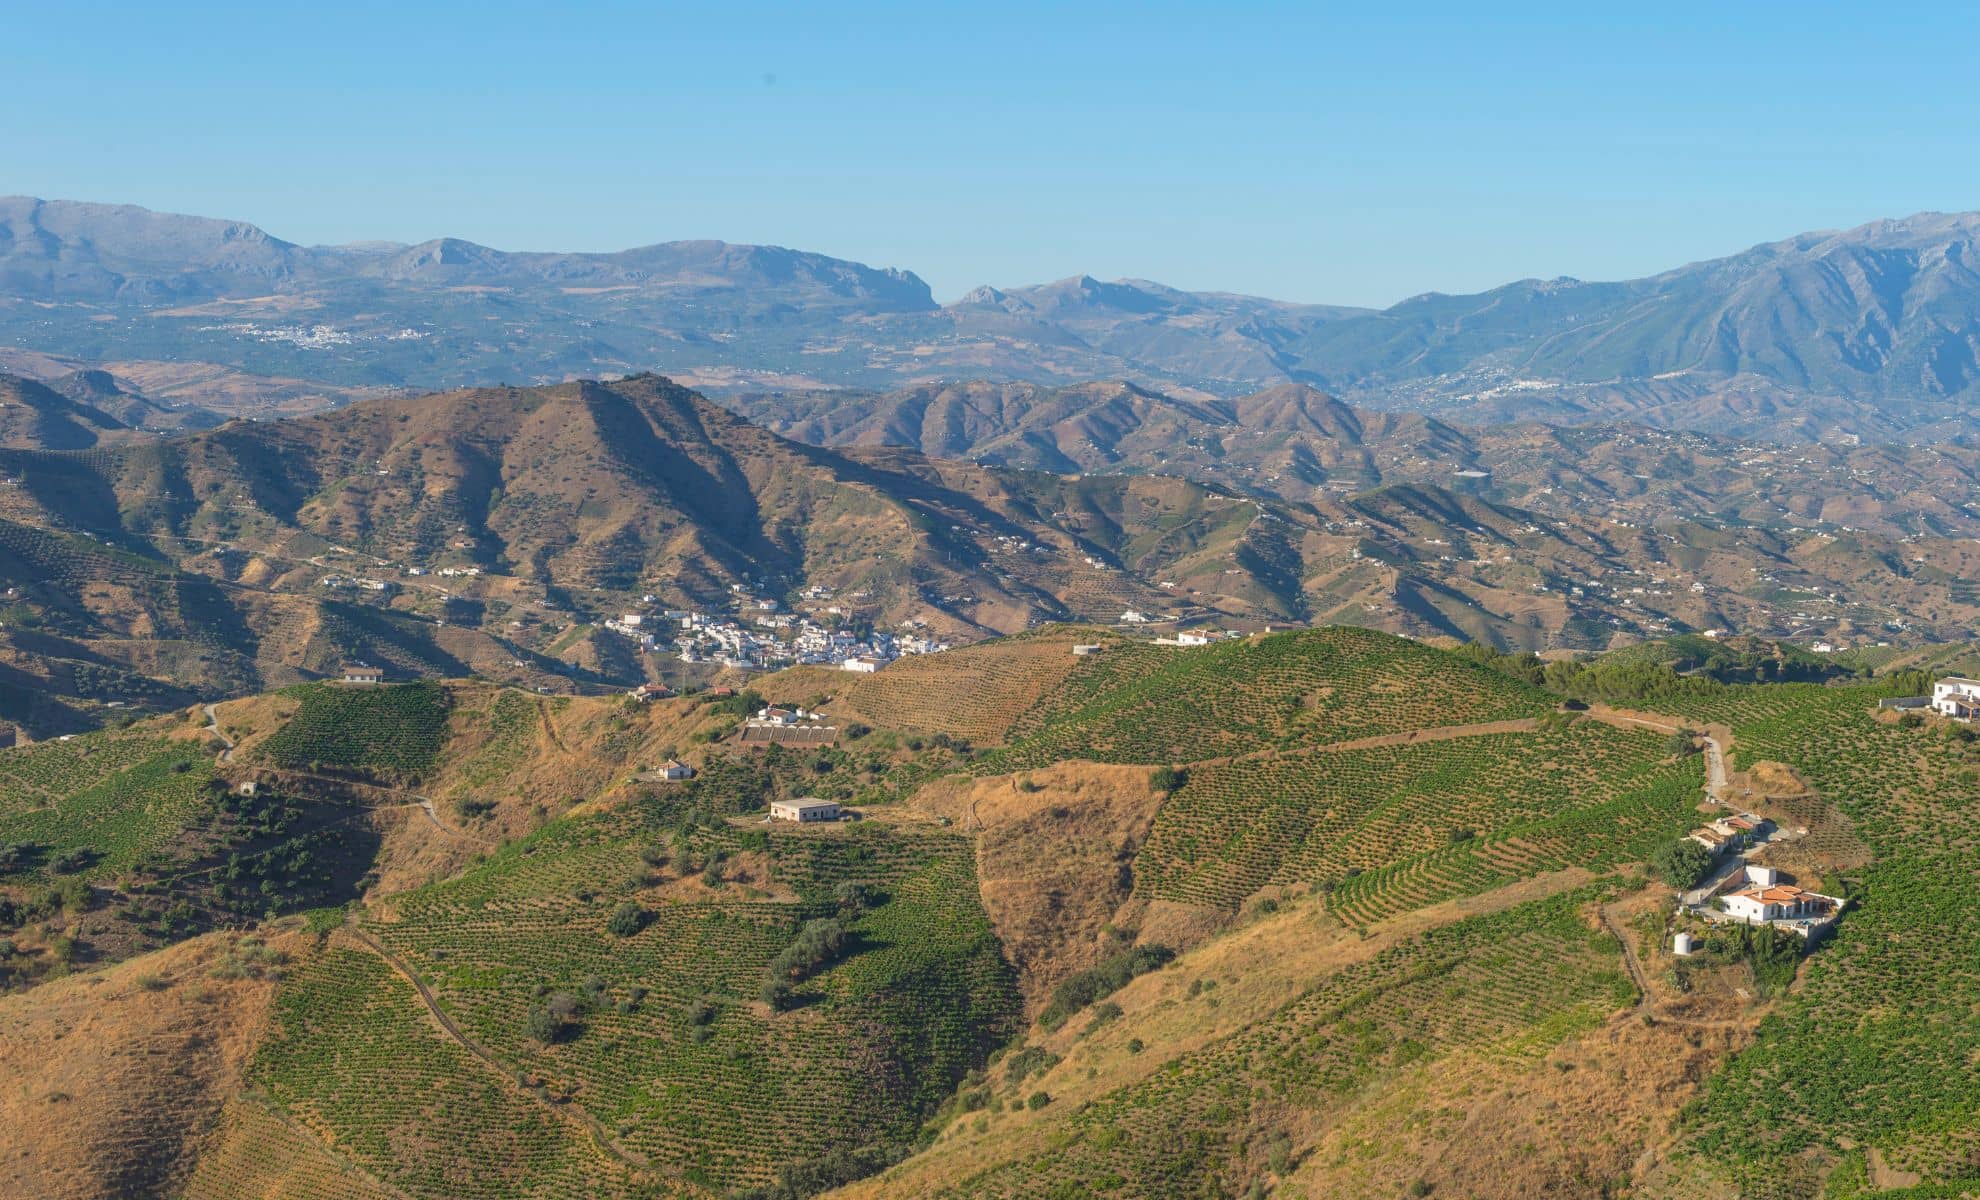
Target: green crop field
1395,827
674,1053
113,798
1514,984
354,1058
1141,703
390,732
1876,1051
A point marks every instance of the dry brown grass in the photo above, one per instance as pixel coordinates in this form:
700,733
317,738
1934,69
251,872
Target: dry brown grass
1487,1125
1259,967
1053,862
108,1080
973,692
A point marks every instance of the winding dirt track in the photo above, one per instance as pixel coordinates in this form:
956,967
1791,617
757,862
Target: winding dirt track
566,1112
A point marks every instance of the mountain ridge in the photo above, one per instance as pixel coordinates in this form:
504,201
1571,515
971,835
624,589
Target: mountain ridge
1867,331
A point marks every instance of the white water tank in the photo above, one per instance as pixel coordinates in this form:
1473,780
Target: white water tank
1683,944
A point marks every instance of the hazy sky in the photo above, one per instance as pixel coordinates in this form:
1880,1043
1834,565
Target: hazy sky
1313,152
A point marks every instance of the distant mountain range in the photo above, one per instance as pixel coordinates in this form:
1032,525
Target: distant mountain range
1874,331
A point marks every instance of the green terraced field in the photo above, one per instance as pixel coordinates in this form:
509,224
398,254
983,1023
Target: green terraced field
1878,1045
393,731
677,1056
354,1058
117,797
1392,828
1141,703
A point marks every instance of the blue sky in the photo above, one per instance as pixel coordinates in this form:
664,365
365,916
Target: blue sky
1312,152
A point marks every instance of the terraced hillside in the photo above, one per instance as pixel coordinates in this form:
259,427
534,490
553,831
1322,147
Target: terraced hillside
1393,828
1322,913
1145,703
1864,1082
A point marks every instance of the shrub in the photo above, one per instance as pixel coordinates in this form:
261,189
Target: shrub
626,920
1038,1100
1168,779
542,1027
1103,979
1681,862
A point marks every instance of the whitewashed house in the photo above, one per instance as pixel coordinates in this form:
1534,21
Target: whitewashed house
805,810
1956,697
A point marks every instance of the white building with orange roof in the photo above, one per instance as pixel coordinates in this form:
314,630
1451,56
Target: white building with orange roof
1765,900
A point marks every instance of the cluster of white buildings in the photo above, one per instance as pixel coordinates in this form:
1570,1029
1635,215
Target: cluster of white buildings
760,637
354,581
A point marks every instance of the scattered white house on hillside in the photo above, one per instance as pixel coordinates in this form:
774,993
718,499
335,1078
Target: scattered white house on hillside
781,718
673,771
1086,649
1134,617
1765,900
865,664
1731,833
805,810
1956,697
360,673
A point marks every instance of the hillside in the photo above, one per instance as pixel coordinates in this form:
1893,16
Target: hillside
496,532
34,417
1386,887
1295,443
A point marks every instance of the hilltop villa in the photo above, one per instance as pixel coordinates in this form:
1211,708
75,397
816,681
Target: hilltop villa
1956,697
360,673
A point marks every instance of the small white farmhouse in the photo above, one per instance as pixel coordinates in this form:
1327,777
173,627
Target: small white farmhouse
1956,697
805,810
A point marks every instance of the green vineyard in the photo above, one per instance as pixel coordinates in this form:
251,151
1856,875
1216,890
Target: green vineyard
1142,703
113,799
1876,1051
389,732
1392,828
673,1052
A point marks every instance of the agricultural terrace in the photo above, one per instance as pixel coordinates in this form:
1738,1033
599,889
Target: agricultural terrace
1513,984
1875,1051
671,1047
1392,828
391,732
353,1057
256,1152
102,801
1142,703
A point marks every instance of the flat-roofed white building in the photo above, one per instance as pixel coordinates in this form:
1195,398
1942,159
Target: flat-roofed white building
805,810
